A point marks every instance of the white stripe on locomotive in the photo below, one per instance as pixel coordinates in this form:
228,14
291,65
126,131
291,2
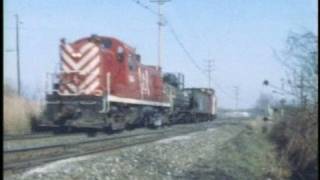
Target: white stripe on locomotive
85,59
89,78
89,57
72,87
92,87
67,59
83,49
86,47
66,68
91,66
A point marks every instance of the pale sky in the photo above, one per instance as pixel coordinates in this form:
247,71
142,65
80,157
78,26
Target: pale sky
238,34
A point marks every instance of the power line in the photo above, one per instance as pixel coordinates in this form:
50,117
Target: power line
192,59
173,33
182,46
222,90
145,7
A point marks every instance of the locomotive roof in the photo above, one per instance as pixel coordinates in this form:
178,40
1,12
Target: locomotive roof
200,89
108,37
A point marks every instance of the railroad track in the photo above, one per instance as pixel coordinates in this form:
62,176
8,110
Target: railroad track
24,158
53,140
37,136
26,136
19,159
53,135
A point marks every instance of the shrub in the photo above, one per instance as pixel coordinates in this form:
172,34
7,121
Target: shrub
297,136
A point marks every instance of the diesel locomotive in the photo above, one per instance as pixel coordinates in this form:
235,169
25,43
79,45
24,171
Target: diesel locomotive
102,84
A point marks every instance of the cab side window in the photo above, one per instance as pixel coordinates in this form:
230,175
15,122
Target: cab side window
132,63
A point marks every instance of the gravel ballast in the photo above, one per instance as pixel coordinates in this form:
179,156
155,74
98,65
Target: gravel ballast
74,138
169,158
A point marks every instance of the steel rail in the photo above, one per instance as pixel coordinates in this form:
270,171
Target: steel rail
17,164
37,136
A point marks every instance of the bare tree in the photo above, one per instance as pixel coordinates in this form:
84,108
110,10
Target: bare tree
297,134
300,59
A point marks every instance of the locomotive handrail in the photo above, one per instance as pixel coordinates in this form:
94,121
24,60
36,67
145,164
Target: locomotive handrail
105,99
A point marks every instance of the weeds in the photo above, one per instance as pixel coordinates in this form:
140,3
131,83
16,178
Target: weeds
249,156
18,112
296,136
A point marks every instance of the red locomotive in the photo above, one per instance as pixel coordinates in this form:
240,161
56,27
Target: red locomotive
102,84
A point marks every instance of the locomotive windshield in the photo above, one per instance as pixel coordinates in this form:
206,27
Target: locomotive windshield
106,43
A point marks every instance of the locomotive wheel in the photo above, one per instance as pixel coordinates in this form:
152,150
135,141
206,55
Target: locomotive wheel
108,130
62,130
91,133
58,130
130,127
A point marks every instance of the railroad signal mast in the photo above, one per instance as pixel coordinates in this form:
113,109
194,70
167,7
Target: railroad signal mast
161,22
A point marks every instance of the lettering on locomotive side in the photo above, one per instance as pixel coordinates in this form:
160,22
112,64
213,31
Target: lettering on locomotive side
131,79
144,82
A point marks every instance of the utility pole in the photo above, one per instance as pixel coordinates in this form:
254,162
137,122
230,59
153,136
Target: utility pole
236,91
301,86
282,84
210,69
160,24
18,53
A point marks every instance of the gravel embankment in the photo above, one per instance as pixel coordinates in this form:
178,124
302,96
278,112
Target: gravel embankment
65,139
170,158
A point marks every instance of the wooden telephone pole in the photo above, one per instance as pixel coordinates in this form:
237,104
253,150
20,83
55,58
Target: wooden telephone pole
18,54
160,24
236,91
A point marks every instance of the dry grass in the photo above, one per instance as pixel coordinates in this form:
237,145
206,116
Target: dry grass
297,137
250,155
18,113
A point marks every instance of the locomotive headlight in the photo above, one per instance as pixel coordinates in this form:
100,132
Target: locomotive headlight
120,53
120,50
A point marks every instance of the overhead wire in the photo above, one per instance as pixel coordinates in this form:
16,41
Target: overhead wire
173,32
182,46
145,7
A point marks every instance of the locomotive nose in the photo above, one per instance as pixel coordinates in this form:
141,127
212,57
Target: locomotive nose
81,66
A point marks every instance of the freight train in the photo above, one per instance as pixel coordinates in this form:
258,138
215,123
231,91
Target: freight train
103,85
